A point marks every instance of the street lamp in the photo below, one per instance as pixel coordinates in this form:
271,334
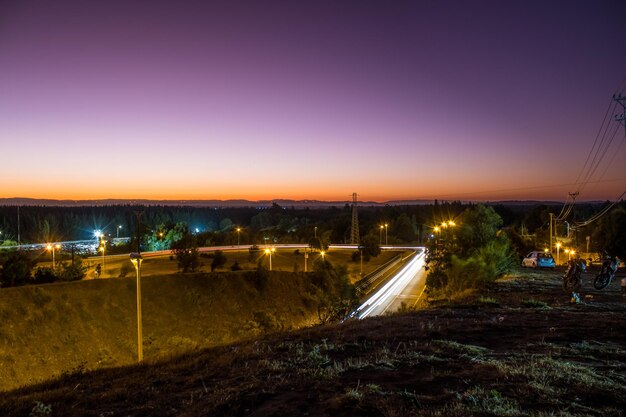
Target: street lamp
323,253
558,250
136,259
238,231
103,249
306,256
315,232
269,252
380,235
52,248
386,240
118,231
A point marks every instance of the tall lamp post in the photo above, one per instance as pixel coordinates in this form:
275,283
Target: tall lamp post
103,249
118,231
52,248
136,259
238,231
315,231
558,250
386,240
436,230
380,235
269,252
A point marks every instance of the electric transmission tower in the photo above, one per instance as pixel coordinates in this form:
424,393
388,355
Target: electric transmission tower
354,236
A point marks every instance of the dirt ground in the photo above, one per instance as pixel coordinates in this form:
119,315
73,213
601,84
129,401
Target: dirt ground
517,349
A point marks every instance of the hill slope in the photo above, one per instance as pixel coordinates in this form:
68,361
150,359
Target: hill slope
522,351
51,329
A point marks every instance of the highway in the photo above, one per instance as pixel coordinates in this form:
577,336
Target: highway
407,286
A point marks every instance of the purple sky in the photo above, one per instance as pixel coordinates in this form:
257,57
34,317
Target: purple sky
421,99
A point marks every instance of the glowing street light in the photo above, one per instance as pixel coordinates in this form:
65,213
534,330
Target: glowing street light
103,249
323,253
386,240
52,248
98,234
451,223
136,259
315,231
238,232
118,231
380,235
269,252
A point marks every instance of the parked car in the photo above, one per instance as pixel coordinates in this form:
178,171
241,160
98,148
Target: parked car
538,259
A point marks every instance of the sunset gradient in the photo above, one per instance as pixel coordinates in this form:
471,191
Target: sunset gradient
307,100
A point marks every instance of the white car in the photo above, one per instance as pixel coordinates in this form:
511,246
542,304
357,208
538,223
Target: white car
538,259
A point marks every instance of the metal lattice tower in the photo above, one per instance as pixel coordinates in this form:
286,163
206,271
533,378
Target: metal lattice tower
354,235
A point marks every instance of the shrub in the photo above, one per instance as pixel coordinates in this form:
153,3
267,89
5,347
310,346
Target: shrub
236,267
73,272
16,269
125,269
219,260
45,275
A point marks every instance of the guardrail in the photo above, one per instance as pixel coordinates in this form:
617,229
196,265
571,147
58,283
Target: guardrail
365,284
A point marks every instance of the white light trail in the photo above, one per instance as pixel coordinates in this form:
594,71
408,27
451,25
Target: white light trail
393,287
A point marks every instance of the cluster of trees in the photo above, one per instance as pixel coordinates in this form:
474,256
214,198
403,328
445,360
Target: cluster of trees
17,269
470,254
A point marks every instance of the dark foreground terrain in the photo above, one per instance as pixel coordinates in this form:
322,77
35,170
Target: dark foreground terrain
518,349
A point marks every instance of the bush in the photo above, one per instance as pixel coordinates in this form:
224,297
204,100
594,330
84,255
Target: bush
125,269
236,267
45,275
73,272
219,260
497,255
16,269
468,273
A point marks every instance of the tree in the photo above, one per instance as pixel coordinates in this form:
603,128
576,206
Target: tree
611,233
16,269
403,228
478,225
186,251
370,248
219,260
469,254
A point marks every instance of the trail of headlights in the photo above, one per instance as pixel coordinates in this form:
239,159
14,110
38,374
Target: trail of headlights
393,287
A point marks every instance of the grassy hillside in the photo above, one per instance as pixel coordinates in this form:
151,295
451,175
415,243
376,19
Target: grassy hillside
518,350
51,329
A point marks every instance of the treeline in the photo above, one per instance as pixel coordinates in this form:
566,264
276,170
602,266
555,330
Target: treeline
405,224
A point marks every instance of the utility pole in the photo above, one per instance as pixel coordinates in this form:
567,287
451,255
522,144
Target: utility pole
551,216
621,117
19,241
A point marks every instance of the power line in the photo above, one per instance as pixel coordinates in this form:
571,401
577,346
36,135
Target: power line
601,213
504,190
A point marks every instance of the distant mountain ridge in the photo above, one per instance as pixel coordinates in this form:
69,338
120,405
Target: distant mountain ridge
24,201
